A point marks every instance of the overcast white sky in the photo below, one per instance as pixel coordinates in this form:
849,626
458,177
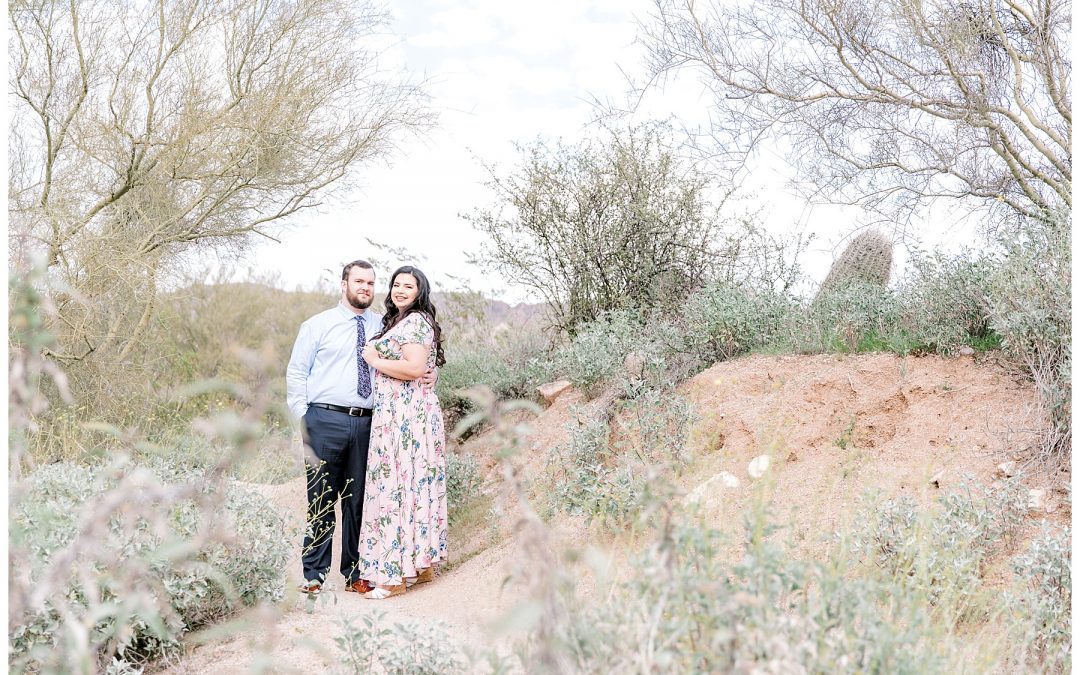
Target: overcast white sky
500,72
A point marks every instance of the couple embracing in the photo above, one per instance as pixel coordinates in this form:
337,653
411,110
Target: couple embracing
362,385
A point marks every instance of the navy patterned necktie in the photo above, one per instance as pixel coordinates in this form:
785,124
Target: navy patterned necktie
363,376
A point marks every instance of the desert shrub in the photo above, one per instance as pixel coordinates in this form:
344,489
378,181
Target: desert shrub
725,320
1031,308
588,478
1040,609
239,332
941,555
408,647
275,459
654,428
627,352
602,471
150,584
946,301
851,318
610,223
463,481
680,609
597,352
512,363
469,367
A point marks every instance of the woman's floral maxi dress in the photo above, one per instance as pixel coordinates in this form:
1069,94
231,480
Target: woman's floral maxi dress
404,523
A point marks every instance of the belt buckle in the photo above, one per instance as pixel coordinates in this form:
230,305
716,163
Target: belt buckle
356,412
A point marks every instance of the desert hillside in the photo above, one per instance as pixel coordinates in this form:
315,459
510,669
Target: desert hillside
835,428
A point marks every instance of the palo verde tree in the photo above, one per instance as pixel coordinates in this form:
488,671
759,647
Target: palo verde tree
144,132
888,103
614,222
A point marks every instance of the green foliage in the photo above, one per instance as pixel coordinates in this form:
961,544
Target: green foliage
409,647
511,362
469,367
276,459
867,261
236,332
463,482
613,223
602,471
851,318
153,584
585,482
627,351
1041,611
681,609
941,556
1031,308
597,352
947,301
724,320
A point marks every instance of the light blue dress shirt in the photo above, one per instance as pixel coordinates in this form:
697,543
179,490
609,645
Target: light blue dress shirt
322,368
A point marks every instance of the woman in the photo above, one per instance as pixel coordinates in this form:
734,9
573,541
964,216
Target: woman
403,534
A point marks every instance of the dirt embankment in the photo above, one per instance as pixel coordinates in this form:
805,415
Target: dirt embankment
834,426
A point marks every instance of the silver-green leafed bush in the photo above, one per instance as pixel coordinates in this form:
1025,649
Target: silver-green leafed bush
725,320
606,480
468,367
850,318
157,585
463,481
941,554
410,647
946,301
683,610
511,363
1041,608
597,351
631,352
1031,308
589,479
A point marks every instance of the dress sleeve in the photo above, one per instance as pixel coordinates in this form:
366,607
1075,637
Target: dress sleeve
415,329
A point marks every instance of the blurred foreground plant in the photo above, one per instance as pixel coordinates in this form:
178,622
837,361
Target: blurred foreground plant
113,562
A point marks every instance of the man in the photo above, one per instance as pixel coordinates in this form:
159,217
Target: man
330,390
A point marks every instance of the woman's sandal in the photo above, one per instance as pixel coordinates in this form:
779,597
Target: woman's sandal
426,575
384,592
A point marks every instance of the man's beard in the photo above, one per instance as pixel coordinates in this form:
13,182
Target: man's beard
356,302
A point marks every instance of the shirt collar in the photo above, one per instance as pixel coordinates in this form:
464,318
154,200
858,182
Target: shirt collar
345,312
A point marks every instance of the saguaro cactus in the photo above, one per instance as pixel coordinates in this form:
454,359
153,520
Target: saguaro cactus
866,260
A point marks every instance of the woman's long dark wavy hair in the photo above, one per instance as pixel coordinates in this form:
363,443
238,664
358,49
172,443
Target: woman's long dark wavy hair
421,305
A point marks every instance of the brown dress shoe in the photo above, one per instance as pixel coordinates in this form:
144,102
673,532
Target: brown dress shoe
311,587
360,586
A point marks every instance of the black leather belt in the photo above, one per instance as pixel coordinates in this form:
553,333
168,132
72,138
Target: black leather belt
352,412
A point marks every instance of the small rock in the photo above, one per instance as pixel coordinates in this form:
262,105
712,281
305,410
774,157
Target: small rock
938,478
758,466
1037,500
792,457
728,480
552,390
1006,470
966,351
634,364
723,479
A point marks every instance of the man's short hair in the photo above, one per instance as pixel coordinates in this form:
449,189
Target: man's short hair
363,264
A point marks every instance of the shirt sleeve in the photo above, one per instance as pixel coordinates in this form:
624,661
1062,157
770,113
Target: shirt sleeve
415,329
296,375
